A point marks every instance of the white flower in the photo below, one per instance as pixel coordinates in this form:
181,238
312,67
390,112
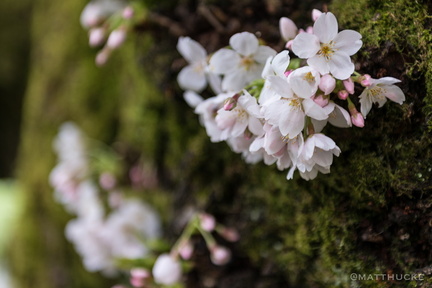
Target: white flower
207,111
96,11
166,270
193,76
304,81
378,92
289,111
314,155
245,115
337,116
241,64
326,49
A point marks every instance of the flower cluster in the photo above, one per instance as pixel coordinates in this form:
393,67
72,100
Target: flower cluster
108,22
101,234
272,108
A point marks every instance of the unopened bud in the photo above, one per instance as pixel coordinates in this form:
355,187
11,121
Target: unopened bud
366,80
327,84
321,100
102,57
139,277
96,37
357,120
116,38
185,250
343,94
231,102
220,255
287,73
349,85
107,181
128,12
207,222
230,234
288,45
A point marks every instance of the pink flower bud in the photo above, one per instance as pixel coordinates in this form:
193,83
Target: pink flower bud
166,270
309,30
231,102
357,120
128,12
287,28
185,250
321,100
116,38
102,57
289,44
343,94
107,181
96,37
207,222
139,277
349,85
316,14
230,234
327,84
287,73
220,255
366,80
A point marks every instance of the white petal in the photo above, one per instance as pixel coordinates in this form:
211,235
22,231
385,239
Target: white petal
365,103
313,110
302,87
215,82
323,142
292,122
263,53
326,27
340,65
280,63
348,41
395,94
340,117
255,126
239,127
191,50
318,125
244,43
192,98
223,61
319,63
273,141
287,28
234,81
305,45
280,86
385,80
191,79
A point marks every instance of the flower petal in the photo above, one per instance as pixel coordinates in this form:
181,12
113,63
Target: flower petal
280,62
191,50
192,98
190,78
223,61
395,94
348,41
234,81
365,103
291,122
244,43
305,45
263,53
326,27
319,63
280,86
341,66
313,110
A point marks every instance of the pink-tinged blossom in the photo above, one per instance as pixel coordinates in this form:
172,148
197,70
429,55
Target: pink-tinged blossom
96,36
207,110
241,64
326,50
245,115
139,277
289,111
337,116
185,250
327,84
304,81
316,14
207,222
357,119
97,11
167,270
379,91
342,94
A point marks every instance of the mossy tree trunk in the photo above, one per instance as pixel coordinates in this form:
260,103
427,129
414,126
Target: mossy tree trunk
370,215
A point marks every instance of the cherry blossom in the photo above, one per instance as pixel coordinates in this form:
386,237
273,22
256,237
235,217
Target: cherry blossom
327,50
